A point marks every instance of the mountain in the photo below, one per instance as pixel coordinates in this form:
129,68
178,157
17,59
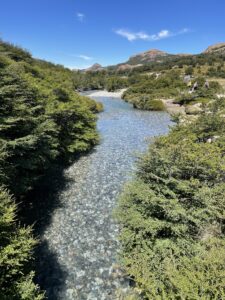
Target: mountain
216,48
148,56
154,55
95,67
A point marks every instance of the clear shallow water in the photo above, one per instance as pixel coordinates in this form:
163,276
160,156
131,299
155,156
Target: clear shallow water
82,233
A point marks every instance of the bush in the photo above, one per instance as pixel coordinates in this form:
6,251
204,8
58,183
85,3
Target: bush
16,245
155,105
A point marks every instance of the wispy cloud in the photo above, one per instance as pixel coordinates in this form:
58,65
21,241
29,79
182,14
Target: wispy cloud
78,67
85,57
76,56
80,16
141,35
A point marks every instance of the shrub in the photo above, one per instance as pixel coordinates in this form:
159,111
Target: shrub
16,245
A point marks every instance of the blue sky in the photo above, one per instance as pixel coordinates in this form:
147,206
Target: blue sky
78,33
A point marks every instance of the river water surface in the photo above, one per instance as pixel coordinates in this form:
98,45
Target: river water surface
82,233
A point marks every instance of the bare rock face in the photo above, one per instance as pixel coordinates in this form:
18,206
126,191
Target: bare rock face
217,48
124,67
95,67
127,67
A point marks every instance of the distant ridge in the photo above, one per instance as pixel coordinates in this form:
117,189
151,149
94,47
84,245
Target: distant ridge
154,55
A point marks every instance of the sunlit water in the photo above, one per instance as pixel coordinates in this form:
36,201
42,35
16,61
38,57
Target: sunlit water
83,234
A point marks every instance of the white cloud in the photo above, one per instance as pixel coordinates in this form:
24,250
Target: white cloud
131,36
184,30
163,34
80,16
85,57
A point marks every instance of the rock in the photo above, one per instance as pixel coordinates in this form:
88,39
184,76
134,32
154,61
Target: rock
94,68
70,294
193,109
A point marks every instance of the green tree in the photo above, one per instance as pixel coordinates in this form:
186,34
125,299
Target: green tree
16,246
27,134
189,70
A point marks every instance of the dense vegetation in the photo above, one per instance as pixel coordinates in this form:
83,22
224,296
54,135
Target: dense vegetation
15,255
148,92
153,82
172,214
42,121
201,62
98,80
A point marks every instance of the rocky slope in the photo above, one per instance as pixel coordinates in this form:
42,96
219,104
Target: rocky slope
148,56
95,67
216,48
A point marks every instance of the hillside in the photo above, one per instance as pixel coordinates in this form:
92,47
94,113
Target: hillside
156,56
156,80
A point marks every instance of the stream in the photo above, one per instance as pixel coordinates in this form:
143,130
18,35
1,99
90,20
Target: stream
82,233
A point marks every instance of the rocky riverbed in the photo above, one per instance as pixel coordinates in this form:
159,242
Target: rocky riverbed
83,234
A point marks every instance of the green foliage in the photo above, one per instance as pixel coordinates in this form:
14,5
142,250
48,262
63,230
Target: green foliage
201,94
147,103
89,80
97,80
15,53
116,83
27,134
16,244
217,71
148,92
42,121
189,71
172,214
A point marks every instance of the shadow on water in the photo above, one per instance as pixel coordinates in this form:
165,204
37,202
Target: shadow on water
37,210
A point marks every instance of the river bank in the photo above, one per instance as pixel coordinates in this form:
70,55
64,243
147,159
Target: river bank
104,93
170,107
173,108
